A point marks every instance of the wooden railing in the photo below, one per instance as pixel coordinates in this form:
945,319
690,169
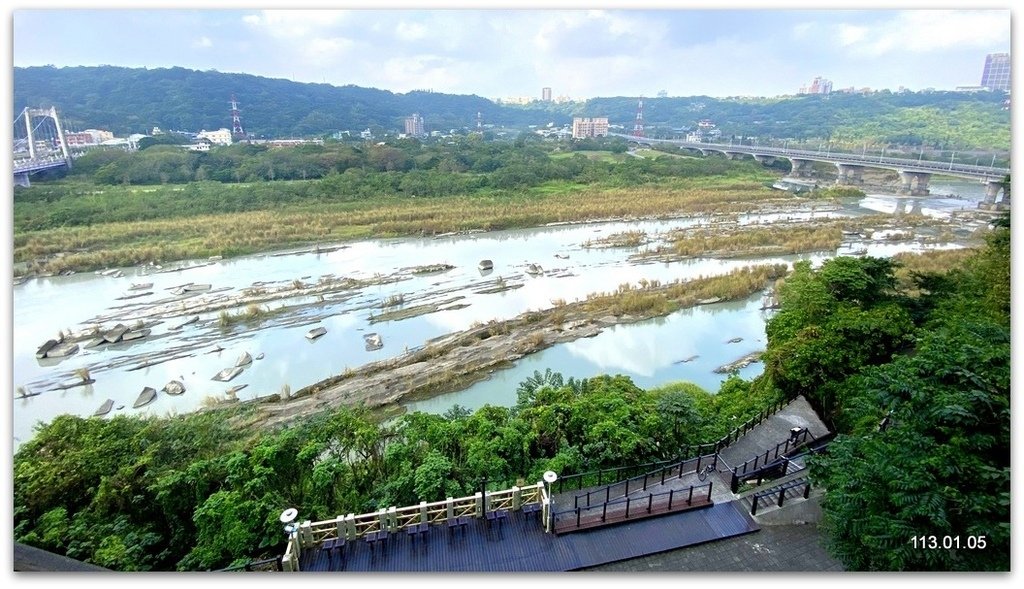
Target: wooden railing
394,519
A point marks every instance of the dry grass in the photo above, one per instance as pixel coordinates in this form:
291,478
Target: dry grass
623,239
930,262
125,244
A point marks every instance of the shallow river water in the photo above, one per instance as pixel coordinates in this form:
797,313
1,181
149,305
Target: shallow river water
650,352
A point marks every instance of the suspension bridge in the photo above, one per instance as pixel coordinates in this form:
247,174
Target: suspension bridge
41,147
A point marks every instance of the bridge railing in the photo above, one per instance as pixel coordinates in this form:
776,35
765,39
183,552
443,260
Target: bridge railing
781,492
840,157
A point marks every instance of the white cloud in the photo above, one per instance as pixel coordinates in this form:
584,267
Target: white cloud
327,49
922,31
850,34
419,72
801,30
202,43
407,31
291,24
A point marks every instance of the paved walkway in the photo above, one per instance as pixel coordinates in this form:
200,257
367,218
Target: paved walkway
772,431
519,544
793,548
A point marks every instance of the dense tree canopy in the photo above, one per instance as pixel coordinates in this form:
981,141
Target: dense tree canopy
919,391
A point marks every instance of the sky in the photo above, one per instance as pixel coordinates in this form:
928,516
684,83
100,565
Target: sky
578,52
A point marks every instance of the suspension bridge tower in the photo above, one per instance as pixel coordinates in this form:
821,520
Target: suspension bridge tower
638,126
43,147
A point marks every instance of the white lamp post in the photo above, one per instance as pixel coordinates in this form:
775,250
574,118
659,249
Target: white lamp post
288,519
549,479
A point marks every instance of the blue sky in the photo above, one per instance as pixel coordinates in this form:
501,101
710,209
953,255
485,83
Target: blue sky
501,53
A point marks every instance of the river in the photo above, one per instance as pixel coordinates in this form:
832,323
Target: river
650,352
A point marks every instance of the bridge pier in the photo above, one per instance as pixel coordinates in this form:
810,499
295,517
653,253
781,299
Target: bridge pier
914,183
992,190
21,180
800,168
850,175
764,159
732,155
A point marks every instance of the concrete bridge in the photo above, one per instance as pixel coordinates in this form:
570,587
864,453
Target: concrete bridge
914,174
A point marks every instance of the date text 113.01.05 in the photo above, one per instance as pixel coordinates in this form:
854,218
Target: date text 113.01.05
949,542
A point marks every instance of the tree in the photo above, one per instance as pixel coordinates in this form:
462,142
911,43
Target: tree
940,467
925,450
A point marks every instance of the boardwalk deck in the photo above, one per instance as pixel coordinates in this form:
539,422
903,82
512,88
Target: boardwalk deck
520,544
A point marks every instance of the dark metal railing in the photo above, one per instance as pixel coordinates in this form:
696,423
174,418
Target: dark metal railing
641,482
772,458
781,492
597,478
782,465
750,424
635,506
265,564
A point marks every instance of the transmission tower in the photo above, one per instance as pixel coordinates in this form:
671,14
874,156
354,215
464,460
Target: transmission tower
638,127
236,119
479,122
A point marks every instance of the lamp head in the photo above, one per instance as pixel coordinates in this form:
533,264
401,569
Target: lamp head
289,515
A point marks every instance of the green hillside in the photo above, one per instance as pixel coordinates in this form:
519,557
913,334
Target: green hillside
126,100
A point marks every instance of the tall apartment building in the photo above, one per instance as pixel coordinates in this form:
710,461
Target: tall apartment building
545,94
996,75
587,127
414,126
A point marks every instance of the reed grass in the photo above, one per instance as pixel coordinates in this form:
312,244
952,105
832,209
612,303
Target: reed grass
253,314
232,234
928,262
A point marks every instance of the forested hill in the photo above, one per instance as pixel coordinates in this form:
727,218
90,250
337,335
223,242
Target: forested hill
126,100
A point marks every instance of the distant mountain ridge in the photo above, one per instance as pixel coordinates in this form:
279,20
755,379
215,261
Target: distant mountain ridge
134,100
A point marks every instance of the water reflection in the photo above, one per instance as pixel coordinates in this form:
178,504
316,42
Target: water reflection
686,345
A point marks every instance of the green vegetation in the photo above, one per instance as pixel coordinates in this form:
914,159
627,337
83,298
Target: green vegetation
253,314
918,388
837,192
135,100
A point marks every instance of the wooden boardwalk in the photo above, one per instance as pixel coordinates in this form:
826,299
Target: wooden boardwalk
519,544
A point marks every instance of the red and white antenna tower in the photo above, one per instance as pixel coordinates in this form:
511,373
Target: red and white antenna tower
638,126
236,119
